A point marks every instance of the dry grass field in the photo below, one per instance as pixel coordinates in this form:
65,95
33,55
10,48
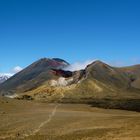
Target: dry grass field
31,120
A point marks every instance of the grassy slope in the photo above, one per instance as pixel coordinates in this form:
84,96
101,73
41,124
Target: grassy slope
90,92
135,71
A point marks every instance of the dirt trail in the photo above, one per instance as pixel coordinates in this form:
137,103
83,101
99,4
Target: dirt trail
44,122
30,120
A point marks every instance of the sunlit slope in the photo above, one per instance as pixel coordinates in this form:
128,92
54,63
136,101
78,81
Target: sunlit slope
97,81
45,80
134,72
32,76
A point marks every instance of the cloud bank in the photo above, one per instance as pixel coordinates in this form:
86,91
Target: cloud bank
12,72
16,69
79,65
6,74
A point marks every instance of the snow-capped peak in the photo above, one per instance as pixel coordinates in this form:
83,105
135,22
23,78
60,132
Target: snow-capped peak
4,77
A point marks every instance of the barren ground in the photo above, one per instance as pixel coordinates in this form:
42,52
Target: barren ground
41,121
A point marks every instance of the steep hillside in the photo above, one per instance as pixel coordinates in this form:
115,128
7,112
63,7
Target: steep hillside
45,80
107,75
32,76
101,81
134,73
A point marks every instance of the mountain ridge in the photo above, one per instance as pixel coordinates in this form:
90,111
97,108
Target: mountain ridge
30,77
46,79
4,77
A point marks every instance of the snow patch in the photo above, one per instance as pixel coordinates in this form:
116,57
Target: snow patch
78,65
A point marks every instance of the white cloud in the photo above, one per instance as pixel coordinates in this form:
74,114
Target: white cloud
6,74
16,69
79,65
12,72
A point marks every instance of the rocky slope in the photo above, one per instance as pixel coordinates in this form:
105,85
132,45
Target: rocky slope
32,76
45,80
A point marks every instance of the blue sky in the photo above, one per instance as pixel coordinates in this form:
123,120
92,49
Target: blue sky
75,30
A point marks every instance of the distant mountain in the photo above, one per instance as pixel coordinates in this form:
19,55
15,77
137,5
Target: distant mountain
47,80
4,77
32,76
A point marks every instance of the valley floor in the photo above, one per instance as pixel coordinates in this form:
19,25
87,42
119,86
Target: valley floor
41,121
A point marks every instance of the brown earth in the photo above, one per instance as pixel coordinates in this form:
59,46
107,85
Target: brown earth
31,120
